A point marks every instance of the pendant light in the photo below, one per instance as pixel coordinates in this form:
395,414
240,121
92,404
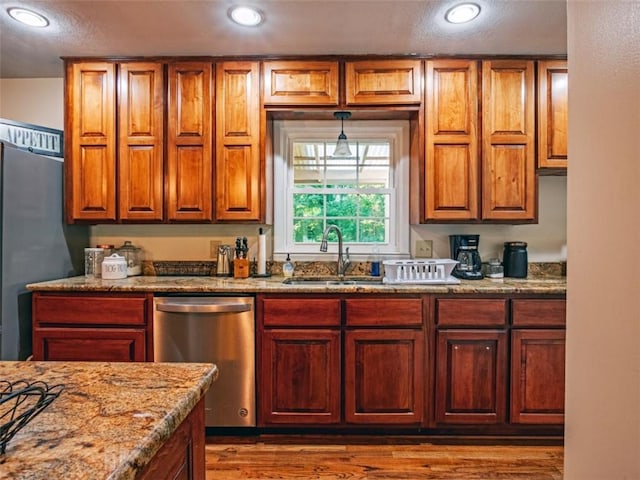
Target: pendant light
342,146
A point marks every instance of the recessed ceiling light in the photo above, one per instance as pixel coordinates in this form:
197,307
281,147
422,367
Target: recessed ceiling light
246,16
465,12
27,17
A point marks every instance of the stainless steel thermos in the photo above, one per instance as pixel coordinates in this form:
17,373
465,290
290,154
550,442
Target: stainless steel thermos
515,260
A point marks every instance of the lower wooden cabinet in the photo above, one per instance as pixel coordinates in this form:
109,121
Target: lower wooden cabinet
183,456
340,360
75,326
537,376
384,376
538,361
471,373
499,362
299,377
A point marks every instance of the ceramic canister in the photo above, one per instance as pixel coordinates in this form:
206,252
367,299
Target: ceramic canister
114,267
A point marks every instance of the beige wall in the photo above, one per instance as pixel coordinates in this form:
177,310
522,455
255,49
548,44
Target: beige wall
602,434
546,240
33,100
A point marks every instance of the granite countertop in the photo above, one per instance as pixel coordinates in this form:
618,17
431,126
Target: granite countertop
543,284
108,422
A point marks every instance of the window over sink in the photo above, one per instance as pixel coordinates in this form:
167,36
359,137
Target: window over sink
364,194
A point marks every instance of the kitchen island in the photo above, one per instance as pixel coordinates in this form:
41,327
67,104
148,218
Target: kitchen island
112,421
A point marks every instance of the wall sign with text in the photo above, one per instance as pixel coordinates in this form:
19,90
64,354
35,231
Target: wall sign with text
33,138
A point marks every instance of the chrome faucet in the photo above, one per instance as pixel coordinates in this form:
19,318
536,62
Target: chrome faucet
343,260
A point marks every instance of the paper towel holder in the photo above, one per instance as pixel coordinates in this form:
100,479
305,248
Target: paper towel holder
261,267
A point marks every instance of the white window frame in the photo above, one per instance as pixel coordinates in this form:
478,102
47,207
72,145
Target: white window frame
287,132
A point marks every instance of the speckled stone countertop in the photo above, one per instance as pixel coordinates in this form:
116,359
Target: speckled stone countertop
543,284
108,422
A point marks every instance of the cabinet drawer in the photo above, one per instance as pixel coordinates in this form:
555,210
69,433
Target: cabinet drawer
471,312
89,344
296,312
539,312
300,83
383,82
89,310
384,311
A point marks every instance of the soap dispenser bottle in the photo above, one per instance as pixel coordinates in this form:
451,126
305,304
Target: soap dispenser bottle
288,267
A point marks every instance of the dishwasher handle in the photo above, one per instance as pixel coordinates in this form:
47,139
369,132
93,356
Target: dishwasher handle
210,307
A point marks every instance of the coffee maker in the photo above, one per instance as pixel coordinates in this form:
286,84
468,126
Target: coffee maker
464,249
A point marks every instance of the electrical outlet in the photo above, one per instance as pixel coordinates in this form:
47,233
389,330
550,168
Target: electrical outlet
213,248
424,248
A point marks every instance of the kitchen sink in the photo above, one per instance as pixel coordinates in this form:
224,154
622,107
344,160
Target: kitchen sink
326,281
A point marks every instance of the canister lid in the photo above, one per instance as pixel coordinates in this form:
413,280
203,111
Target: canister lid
515,244
115,258
127,245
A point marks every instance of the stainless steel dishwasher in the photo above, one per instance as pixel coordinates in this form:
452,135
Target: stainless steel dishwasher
218,330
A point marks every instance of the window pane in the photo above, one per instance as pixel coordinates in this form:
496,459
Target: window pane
377,176
342,205
348,228
373,230
307,230
308,205
373,204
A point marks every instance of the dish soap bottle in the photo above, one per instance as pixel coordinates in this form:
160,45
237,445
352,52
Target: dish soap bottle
288,267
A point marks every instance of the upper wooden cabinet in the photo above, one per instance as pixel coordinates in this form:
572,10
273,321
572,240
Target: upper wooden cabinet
553,109
475,173
189,142
90,149
509,186
452,157
365,82
141,141
300,83
238,166
383,82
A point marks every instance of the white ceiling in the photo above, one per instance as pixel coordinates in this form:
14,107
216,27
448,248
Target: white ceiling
291,27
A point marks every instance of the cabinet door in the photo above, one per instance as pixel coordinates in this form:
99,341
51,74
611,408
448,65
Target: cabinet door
452,157
189,142
471,368
238,167
383,82
300,83
89,344
384,376
300,377
509,186
182,456
537,376
553,113
90,152
141,141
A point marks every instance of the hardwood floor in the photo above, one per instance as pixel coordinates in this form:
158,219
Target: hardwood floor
376,458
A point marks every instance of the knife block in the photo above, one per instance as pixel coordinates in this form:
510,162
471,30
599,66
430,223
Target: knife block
241,268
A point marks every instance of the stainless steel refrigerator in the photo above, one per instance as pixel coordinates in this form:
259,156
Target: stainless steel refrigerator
35,243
